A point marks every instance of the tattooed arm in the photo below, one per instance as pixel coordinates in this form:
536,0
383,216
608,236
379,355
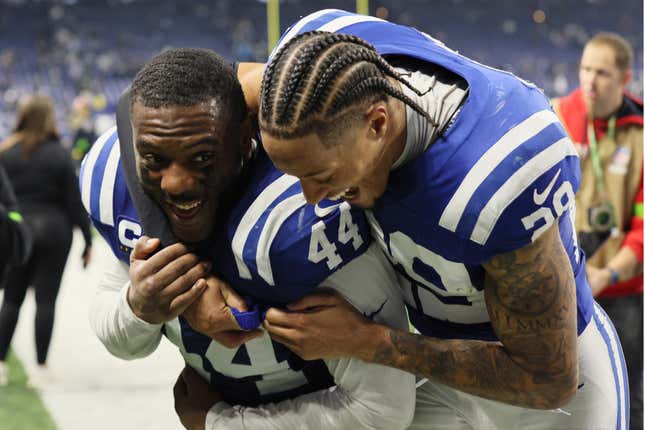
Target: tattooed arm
531,298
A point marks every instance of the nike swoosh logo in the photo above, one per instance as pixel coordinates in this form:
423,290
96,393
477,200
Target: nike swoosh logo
323,212
540,198
373,314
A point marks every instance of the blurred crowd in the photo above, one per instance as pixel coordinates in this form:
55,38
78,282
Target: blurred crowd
84,53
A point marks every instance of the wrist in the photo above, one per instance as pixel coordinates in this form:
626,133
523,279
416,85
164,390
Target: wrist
131,300
614,276
373,339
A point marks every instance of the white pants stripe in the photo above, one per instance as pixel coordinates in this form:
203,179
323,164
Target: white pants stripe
609,335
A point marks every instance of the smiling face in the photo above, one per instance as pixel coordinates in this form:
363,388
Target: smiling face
188,160
355,167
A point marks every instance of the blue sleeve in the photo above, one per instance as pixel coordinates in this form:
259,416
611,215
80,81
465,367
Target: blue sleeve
289,252
530,201
307,256
111,236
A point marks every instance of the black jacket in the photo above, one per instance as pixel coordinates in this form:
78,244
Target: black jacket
45,183
15,245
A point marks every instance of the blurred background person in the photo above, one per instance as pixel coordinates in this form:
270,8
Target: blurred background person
44,179
82,128
606,124
16,239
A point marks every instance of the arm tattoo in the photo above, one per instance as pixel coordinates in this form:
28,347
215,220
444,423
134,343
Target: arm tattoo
530,296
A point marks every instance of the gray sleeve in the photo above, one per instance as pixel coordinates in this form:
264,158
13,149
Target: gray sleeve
122,333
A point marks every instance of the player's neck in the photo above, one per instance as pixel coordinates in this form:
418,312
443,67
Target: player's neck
397,131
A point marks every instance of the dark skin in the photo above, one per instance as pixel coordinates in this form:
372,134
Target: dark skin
188,158
183,160
193,399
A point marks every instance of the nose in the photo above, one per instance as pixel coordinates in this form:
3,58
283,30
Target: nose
313,192
588,78
177,180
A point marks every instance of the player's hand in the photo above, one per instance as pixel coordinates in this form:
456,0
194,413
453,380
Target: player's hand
598,279
87,256
193,399
163,285
211,314
320,325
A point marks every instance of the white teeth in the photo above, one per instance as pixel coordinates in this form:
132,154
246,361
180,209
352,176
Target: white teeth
187,206
345,194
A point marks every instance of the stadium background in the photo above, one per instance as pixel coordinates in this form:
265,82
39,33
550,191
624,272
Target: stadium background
83,53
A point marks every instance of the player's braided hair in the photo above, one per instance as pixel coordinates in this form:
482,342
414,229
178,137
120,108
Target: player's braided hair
317,77
186,77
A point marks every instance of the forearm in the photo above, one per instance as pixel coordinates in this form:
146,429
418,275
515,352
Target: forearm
476,367
121,332
625,263
530,297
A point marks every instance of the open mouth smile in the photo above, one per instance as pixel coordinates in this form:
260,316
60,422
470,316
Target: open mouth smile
185,210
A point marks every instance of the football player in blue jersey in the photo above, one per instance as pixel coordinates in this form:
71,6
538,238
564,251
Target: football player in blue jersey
469,179
202,179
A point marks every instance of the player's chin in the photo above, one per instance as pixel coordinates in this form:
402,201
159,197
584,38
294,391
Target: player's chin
362,200
196,228
191,234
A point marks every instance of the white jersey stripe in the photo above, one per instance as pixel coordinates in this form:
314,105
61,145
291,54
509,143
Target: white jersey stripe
331,26
489,161
253,213
88,169
516,184
346,21
296,28
107,186
276,218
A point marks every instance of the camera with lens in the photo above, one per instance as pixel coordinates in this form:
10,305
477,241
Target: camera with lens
601,221
601,218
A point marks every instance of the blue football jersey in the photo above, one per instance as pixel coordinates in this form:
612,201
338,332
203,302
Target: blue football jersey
275,249
105,196
500,175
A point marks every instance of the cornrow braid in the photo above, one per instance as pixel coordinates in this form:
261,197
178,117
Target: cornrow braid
316,76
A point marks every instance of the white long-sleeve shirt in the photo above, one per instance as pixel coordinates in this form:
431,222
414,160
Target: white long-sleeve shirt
365,396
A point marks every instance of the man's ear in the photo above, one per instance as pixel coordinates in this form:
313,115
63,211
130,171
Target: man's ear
377,119
627,76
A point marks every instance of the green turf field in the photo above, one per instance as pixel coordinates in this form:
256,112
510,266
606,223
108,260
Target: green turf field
20,406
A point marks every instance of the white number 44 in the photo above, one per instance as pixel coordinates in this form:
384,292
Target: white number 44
321,248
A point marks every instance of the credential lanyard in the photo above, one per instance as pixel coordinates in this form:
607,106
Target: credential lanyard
597,165
593,149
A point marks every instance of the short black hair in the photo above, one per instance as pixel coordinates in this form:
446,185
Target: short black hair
186,77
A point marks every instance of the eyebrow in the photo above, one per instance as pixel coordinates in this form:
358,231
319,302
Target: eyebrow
143,144
205,141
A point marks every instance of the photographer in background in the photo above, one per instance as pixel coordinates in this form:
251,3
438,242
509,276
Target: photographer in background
606,124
